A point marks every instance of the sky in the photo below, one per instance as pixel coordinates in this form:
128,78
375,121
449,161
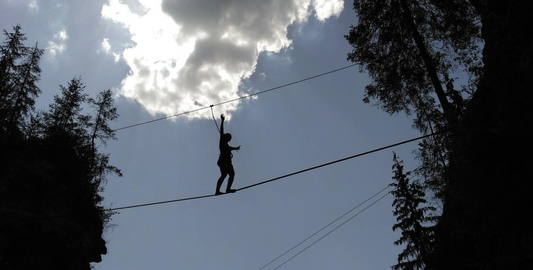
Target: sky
166,57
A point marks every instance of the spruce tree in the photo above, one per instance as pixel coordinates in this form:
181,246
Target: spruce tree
25,89
66,112
412,219
11,52
100,132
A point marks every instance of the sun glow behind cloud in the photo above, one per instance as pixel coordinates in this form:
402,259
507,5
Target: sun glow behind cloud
191,52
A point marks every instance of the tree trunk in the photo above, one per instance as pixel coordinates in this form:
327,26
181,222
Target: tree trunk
430,66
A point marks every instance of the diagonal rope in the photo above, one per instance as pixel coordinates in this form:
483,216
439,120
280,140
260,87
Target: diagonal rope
236,99
256,184
276,178
339,160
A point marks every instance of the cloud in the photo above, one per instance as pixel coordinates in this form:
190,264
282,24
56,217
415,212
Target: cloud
61,35
56,45
33,6
325,9
191,52
105,45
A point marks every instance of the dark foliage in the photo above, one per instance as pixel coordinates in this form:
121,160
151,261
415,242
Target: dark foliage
413,219
486,223
479,169
51,172
413,51
19,74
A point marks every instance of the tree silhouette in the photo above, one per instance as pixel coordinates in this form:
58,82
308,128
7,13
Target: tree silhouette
100,131
65,113
25,88
486,221
411,215
51,170
411,49
12,50
480,169
19,73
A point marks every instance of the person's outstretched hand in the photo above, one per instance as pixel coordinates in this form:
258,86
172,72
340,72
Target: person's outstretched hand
222,117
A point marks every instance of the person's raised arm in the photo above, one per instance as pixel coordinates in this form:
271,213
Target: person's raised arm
222,124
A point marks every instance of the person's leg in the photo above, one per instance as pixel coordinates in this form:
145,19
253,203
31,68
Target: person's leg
231,173
223,174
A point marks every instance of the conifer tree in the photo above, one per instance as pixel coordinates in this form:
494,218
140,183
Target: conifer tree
51,175
25,89
411,216
11,51
66,112
105,111
100,131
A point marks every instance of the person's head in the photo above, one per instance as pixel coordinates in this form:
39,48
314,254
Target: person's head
227,137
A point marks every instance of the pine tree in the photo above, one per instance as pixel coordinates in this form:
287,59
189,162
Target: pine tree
12,50
25,89
105,111
51,175
411,216
66,112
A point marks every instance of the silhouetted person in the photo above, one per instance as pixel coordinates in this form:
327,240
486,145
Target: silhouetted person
224,160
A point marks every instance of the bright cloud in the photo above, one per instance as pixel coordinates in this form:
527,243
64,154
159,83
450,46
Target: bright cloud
325,9
61,35
116,56
57,44
105,45
190,52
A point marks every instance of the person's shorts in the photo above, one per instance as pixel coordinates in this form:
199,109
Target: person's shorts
226,167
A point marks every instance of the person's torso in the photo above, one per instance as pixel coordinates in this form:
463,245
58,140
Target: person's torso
225,151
